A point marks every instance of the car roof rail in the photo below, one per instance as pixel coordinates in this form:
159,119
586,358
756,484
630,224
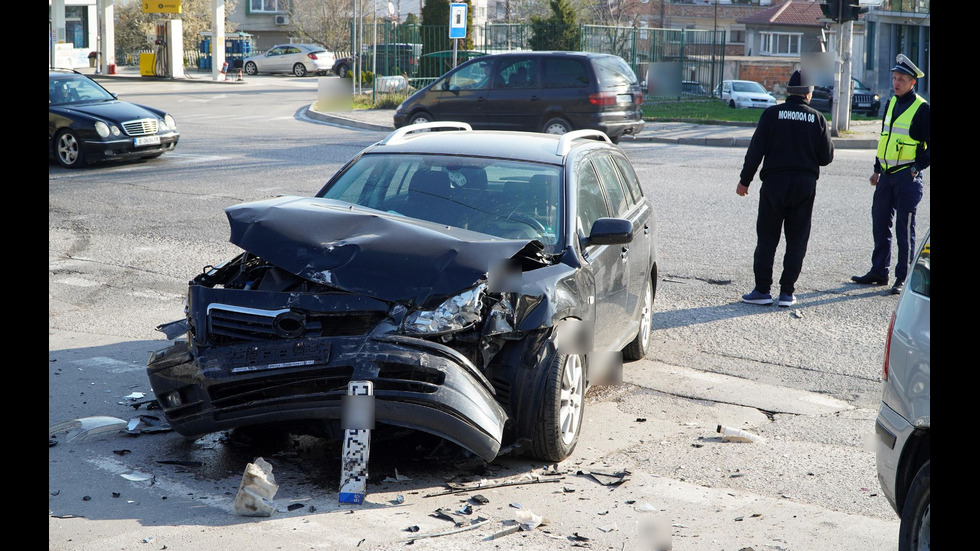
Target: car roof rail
399,136
565,143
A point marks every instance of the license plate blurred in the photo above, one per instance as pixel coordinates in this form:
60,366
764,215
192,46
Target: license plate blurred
146,140
624,98
864,105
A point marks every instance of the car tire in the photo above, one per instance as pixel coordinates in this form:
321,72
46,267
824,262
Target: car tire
913,534
341,71
559,421
68,150
556,125
299,70
638,348
421,117
251,69
731,103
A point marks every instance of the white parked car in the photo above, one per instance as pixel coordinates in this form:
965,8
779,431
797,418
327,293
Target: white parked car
744,94
298,59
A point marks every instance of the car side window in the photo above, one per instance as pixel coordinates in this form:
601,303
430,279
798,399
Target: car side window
591,203
629,176
609,177
564,73
475,76
519,73
919,281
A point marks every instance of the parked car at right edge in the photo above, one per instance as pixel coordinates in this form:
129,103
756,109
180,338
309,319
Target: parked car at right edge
903,438
863,100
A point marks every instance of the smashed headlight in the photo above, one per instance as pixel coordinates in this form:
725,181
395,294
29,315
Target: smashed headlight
454,314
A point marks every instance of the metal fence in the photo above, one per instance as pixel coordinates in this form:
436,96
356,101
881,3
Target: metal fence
421,53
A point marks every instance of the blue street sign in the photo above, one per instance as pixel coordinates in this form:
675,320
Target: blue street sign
457,20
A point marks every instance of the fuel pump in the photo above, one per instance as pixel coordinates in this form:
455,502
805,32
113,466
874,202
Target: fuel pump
169,45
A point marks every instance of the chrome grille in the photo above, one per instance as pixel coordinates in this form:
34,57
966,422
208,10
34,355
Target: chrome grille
863,98
141,127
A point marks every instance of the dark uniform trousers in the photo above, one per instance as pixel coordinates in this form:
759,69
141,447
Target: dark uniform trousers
896,199
785,204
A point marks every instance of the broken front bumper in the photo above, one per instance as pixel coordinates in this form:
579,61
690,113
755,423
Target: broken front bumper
417,384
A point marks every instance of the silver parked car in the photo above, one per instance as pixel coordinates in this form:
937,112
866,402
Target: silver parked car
903,428
298,59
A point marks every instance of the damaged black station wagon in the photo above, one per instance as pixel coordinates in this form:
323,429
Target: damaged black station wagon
480,280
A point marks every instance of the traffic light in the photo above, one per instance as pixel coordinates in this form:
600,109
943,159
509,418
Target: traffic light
831,10
842,11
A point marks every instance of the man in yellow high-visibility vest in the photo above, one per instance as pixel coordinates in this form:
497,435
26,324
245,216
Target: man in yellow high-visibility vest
903,153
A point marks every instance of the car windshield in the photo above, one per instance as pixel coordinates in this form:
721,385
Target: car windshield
68,90
502,198
745,86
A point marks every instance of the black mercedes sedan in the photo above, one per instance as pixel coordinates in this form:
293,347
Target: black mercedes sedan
478,281
87,124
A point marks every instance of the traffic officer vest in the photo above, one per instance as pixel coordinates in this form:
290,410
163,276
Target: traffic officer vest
895,147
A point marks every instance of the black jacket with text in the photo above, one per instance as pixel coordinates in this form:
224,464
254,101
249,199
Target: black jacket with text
791,136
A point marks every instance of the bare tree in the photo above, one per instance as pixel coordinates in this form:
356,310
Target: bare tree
328,22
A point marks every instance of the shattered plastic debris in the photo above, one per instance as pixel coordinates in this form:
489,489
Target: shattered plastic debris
607,477
256,490
145,424
399,499
136,476
87,427
729,434
398,478
607,528
479,499
529,520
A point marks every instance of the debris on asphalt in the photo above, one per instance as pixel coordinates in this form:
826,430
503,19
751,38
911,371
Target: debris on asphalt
607,477
146,424
730,434
444,514
475,523
256,490
526,478
136,476
399,499
87,427
528,520
479,499
506,531
398,478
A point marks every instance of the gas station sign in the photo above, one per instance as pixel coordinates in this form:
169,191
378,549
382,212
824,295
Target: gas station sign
162,6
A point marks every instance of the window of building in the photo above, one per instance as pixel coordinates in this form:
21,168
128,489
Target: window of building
736,36
268,6
76,25
787,44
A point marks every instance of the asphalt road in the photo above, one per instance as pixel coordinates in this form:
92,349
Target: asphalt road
650,467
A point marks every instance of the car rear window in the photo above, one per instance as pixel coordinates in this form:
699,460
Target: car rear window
613,71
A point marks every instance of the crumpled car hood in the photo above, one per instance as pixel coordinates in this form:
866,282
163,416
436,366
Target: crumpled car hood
363,251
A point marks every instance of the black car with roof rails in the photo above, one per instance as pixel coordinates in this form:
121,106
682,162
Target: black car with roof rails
553,92
480,281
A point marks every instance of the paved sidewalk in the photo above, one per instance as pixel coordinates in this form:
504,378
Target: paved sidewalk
860,135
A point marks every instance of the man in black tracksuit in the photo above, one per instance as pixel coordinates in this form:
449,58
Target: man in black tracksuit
792,141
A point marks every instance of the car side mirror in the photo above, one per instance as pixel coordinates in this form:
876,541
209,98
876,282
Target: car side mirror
610,231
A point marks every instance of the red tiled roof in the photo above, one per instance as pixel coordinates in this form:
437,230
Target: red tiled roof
788,13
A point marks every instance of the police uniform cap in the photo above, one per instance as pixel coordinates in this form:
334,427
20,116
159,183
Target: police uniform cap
905,65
